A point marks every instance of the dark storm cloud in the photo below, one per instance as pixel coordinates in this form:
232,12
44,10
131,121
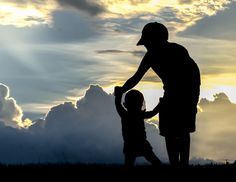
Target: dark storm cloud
91,7
219,26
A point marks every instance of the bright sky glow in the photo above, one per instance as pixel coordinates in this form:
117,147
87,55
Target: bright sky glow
178,16
25,15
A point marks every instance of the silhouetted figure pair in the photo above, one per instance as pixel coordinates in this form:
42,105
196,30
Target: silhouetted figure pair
181,83
133,129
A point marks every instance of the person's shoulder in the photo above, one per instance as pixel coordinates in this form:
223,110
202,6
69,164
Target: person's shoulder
178,50
177,47
147,57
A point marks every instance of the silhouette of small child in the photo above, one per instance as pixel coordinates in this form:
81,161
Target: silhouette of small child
133,128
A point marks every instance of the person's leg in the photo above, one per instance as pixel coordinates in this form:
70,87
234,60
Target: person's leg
172,149
129,160
184,149
152,158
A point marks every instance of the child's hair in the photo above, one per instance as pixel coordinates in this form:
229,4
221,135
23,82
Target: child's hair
134,98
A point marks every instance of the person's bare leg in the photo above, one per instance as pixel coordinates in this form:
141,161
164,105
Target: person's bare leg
172,150
184,149
152,158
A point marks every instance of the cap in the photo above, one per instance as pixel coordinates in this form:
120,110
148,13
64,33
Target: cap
153,31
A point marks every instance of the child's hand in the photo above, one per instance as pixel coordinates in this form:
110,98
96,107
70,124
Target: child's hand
118,90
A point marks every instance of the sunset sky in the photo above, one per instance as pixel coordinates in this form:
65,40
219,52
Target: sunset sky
53,50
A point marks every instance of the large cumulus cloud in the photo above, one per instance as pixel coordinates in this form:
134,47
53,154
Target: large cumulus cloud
10,112
90,132
215,137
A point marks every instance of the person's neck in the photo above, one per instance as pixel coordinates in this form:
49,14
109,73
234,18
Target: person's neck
156,46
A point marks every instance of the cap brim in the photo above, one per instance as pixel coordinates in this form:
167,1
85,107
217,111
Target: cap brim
140,42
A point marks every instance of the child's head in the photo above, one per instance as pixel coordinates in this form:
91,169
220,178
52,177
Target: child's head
134,100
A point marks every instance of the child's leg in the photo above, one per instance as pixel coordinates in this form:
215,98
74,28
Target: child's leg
184,142
129,160
152,158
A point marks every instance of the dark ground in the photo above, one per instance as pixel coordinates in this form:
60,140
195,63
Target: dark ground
77,172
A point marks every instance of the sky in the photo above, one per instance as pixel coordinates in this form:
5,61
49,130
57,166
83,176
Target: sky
52,51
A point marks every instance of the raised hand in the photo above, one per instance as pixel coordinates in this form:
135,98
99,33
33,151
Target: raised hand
118,90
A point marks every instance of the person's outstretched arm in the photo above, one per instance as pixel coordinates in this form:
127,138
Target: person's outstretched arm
142,69
149,114
118,97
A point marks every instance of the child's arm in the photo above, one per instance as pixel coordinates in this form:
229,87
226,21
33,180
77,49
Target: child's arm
152,113
118,97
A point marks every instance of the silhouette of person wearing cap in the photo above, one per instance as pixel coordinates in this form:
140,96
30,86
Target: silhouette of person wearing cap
181,83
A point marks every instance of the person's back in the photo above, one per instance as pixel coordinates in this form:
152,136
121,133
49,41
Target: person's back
177,70
133,129
181,79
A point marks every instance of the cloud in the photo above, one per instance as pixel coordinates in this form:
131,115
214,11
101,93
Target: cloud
52,60
24,1
39,54
24,13
135,2
216,129
95,125
67,26
177,15
70,26
85,5
90,132
110,51
114,51
11,113
168,14
218,26
185,1
45,78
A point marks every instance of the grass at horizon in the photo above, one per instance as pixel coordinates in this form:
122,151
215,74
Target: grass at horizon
117,171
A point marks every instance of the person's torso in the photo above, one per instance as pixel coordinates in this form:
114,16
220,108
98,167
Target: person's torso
133,128
179,73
